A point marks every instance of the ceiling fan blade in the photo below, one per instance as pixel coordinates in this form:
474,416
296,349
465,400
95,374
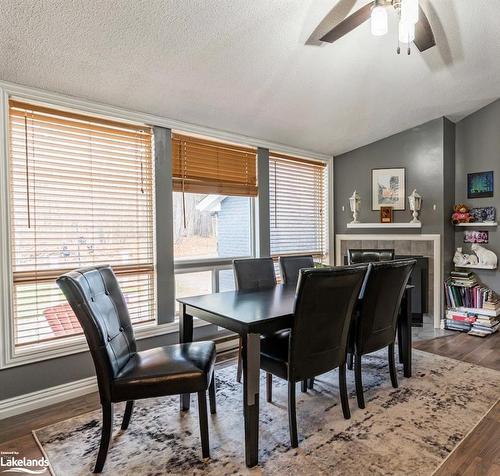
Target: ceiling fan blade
348,24
424,37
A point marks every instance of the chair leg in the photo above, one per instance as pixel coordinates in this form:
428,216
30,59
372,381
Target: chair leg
303,386
202,413
359,382
392,366
292,415
211,395
269,387
344,399
239,370
311,383
107,425
350,360
128,413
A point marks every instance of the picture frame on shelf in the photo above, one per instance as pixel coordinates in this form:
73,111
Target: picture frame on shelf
480,184
389,188
386,214
471,236
483,214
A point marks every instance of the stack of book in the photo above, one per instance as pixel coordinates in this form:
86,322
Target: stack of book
459,320
463,290
472,308
484,326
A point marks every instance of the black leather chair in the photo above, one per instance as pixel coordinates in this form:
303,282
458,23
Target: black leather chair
291,265
369,256
375,321
317,341
123,373
252,273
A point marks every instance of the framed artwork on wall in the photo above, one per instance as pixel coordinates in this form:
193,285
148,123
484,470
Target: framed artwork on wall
389,188
480,185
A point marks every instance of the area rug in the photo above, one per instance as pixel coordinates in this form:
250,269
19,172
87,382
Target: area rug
409,430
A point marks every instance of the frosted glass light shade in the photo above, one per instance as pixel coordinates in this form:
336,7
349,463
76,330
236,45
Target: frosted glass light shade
409,11
379,23
406,32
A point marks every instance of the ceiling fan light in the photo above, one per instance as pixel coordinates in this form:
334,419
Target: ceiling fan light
406,32
379,22
409,11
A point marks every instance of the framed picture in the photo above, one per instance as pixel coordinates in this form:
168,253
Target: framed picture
389,188
386,214
476,236
480,185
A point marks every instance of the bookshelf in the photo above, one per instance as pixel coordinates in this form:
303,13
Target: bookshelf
478,224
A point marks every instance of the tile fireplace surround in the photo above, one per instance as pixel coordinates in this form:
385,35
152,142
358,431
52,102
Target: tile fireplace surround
423,245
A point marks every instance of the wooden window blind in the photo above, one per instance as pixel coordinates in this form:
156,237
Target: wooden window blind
297,201
81,193
205,166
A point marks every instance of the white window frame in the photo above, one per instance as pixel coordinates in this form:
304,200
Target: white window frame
77,344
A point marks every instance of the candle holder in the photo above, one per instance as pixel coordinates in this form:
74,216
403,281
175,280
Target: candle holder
415,204
355,205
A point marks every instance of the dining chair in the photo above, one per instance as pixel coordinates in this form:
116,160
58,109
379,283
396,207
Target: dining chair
374,325
317,341
251,274
356,256
123,373
290,267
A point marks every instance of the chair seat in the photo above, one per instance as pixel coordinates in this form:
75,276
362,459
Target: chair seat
169,370
274,353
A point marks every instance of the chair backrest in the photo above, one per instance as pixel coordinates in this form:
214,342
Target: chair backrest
96,298
369,256
323,311
291,265
378,313
254,273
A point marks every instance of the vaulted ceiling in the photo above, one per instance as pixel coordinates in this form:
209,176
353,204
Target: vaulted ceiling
253,67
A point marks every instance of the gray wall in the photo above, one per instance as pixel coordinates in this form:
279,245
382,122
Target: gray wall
478,150
421,150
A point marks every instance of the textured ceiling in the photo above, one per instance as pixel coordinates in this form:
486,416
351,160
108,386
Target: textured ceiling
244,66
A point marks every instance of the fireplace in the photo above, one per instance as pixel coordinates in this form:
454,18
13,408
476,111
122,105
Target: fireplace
426,248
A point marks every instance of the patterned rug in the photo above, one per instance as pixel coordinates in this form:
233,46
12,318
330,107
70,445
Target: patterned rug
409,430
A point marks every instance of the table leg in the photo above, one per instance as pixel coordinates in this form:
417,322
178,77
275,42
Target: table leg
406,331
185,335
251,371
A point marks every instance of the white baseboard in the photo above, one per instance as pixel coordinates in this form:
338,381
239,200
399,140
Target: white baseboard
48,396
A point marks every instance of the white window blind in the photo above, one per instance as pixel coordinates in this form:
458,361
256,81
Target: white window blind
81,193
297,199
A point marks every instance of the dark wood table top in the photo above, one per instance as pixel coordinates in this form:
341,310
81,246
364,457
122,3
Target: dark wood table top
253,311
245,311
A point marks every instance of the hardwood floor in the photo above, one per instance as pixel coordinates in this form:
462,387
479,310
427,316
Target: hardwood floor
477,455
476,350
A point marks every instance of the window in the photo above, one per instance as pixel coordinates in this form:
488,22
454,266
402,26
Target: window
297,202
214,184
81,193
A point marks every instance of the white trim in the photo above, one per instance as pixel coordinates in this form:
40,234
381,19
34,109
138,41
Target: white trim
48,396
56,99
66,391
384,225
436,239
331,211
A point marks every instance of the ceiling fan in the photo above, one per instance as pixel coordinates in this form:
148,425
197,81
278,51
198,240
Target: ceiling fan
414,25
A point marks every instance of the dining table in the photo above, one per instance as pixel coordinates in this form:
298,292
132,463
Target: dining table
251,314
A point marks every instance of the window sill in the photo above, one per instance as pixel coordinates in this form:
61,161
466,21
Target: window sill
78,344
